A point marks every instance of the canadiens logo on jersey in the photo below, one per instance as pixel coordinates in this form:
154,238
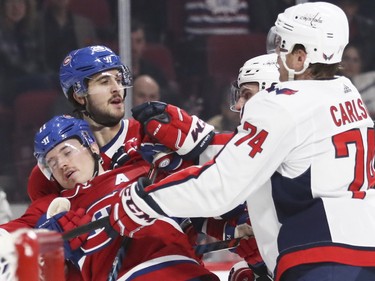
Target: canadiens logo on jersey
285,91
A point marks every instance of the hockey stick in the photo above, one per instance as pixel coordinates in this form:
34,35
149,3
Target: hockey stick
103,222
216,246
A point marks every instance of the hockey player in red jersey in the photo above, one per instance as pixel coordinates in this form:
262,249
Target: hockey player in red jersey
94,80
67,152
303,157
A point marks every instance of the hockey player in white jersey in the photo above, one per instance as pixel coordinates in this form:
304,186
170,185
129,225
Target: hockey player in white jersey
256,74
303,157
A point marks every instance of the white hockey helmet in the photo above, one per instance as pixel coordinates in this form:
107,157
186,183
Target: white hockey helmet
261,69
321,27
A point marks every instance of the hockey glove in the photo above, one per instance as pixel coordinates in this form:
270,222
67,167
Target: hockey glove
160,156
248,250
173,127
124,153
238,227
129,219
66,221
241,272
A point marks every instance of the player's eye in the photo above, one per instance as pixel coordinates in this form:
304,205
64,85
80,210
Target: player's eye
245,93
67,152
104,81
52,164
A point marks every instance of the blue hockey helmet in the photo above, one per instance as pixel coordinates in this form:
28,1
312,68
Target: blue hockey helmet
83,63
54,132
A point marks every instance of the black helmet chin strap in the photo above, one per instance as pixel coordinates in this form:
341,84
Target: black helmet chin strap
97,160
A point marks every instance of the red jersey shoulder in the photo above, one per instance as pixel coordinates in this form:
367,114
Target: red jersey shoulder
134,129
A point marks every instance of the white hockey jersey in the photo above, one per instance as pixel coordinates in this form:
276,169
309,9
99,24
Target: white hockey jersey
303,158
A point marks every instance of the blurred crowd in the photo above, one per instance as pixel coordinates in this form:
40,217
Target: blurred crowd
184,52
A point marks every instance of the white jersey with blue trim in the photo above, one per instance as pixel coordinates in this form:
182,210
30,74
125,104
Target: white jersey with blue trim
303,158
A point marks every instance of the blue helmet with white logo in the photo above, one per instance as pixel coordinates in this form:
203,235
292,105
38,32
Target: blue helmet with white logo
83,63
54,132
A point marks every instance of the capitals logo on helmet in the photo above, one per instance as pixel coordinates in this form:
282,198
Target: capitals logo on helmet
81,64
54,132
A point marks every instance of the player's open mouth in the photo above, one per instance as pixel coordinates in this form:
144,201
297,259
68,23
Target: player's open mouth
69,174
117,100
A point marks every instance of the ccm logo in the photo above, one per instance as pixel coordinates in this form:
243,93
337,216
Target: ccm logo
135,211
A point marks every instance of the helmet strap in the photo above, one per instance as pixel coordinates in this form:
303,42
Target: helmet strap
97,160
291,72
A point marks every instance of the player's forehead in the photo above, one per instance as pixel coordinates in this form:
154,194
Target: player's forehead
250,86
106,73
72,143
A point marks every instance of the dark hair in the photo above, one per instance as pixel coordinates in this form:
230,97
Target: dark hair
320,71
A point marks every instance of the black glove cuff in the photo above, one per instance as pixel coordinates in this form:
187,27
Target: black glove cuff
147,110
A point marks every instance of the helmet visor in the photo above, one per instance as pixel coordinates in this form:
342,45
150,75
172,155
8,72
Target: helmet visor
273,41
234,96
65,152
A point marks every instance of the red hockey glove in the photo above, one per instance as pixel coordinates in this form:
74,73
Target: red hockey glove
173,127
67,221
125,153
241,272
248,250
238,227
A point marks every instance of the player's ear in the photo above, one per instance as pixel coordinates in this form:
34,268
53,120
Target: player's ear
79,99
300,57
